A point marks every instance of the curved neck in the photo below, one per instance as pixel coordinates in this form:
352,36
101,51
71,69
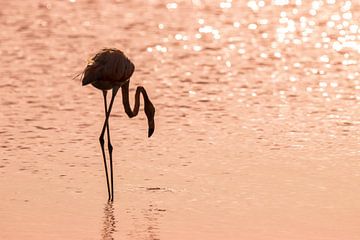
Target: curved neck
148,108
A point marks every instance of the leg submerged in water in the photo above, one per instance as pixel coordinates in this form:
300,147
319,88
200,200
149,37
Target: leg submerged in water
110,148
101,139
106,126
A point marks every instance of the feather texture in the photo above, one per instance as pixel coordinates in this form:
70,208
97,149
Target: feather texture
109,65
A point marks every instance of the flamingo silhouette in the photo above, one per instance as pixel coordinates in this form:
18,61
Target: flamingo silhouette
111,69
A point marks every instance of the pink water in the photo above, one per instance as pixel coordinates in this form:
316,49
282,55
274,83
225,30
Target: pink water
258,120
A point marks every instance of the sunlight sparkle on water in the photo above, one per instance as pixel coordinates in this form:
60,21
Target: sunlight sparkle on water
226,4
280,2
171,5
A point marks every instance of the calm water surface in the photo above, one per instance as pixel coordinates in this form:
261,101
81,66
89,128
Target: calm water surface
258,120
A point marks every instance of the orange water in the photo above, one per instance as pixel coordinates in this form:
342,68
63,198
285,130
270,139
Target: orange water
258,120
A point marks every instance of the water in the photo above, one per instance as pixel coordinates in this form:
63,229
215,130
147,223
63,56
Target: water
257,132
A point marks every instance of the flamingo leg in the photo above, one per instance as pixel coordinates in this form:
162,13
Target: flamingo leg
101,139
110,148
106,125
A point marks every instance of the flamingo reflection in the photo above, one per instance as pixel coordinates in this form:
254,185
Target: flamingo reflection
109,226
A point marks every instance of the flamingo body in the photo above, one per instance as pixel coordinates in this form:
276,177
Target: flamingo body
108,69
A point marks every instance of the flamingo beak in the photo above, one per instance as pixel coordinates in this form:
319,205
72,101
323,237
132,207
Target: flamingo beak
150,114
151,129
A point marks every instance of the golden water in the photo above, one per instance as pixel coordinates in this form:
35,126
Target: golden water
258,120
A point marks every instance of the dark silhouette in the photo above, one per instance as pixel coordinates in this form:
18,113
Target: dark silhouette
111,69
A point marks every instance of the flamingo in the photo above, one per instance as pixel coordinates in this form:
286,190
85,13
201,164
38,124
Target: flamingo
110,69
